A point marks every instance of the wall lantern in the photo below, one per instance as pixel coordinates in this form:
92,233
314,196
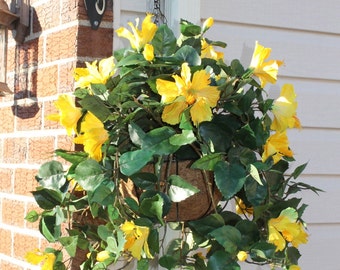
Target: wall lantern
95,11
18,22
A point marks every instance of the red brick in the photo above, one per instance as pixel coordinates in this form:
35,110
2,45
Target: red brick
62,44
66,79
49,109
6,180
40,149
5,243
15,150
8,125
46,16
24,243
9,266
89,39
29,115
24,181
13,212
44,81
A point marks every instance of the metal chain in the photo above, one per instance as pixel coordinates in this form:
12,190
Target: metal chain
159,17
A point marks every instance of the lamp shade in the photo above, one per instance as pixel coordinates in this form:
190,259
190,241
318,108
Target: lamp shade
6,17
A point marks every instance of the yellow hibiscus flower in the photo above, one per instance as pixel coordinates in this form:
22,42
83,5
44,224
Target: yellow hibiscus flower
242,209
294,267
68,115
265,71
208,51
184,92
92,136
284,110
139,38
277,146
286,228
148,52
136,239
36,257
94,73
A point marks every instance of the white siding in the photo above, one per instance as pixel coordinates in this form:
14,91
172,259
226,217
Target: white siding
306,35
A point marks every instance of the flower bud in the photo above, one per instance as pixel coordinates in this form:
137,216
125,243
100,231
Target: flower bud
208,23
148,52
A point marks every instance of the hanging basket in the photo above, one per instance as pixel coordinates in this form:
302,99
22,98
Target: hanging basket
196,206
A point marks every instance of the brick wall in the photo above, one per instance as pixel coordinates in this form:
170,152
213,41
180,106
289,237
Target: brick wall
60,38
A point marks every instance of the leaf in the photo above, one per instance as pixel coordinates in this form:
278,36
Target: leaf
189,29
48,228
168,262
73,157
70,244
96,106
89,174
144,180
132,162
188,54
143,264
249,233
221,260
186,137
255,174
261,251
102,195
32,216
229,178
164,41
47,198
299,170
207,162
152,207
51,175
207,224
229,237
180,189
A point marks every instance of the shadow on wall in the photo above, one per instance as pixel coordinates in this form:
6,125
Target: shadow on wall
26,62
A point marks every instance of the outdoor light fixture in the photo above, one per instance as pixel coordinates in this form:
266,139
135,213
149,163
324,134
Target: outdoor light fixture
95,11
18,22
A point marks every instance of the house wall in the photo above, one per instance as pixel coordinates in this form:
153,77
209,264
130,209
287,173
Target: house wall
60,38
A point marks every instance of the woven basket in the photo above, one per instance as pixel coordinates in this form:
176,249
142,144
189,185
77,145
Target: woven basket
194,207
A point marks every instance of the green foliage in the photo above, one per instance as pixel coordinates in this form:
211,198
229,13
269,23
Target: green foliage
119,205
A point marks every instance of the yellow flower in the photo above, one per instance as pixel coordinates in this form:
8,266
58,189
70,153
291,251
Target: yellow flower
148,52
136,239
102,256
139,38
92,136
184,92
93,73
265,71
208,23
208,51
294,267
277,146
36,256
284,110
242,256
242,209
68,115
286,228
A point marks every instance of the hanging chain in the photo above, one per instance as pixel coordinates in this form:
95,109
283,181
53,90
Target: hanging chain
158,14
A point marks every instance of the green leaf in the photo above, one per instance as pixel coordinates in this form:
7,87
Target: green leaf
229,178
255,193
293,255
164,41
189,29
48,228
51,175
89,174
152,207
229,237
104,232
132,162
246,137
98,88
32,216
249,233
168,262
143,264
188,54
299,170
207,162
207,224
70,244
186,137
96,106
221,260
254,173
132,60
180,189
144,180
47,198
102,195
72,157
261,251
